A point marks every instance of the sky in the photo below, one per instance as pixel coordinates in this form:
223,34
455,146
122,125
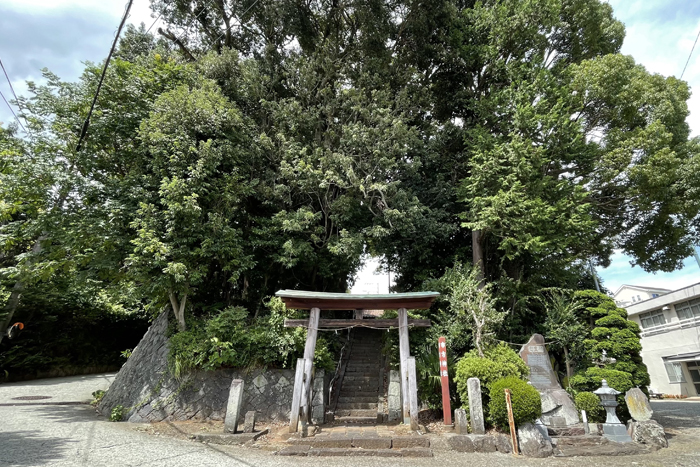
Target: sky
62,34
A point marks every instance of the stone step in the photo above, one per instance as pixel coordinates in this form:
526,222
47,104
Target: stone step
301,450
349,391
357,405
357,420
361,379
350,399
585,440
356,413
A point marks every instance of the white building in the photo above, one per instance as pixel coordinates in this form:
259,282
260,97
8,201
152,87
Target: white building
670,323
629,294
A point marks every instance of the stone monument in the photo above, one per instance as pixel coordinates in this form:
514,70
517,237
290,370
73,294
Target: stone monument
638,405
476,411
558,410
233,408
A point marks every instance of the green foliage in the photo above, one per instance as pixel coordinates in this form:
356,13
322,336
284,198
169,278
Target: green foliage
563,330
511,131
229,339
498,362
428,374
97,397
471,303
592,378
117,414
611,332
527,405
591,404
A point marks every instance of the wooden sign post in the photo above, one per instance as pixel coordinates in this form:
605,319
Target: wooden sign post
445,381
511,423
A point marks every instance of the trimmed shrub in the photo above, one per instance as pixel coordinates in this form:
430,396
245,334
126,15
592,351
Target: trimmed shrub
591,404
498,362
527,404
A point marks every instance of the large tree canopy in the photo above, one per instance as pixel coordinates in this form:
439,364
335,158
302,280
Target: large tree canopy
259,145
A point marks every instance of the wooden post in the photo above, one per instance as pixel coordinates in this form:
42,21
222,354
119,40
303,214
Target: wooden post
511,423
412,392
404,353
296,396
445,382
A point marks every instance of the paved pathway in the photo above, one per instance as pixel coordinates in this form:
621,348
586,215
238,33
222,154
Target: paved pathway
73,435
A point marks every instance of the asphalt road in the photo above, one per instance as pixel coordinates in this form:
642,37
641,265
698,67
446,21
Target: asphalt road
48,433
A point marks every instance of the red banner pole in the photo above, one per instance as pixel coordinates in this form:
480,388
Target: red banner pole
445,380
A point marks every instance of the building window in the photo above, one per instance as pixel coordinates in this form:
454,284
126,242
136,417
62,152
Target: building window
689,309
639,298
634,299
653,318
675,372
654,295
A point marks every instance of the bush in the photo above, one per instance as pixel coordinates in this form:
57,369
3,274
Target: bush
591,404
230,339
499,362
527,404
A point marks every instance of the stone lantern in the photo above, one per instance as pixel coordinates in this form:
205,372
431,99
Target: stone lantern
613,429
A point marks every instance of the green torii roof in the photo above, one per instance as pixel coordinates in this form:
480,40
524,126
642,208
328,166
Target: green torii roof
304,300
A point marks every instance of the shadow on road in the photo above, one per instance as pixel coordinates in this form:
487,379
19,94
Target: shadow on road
30,448
677,414
66,413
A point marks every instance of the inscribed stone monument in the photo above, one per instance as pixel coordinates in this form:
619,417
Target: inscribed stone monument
638,405
557,407
476,411
233,408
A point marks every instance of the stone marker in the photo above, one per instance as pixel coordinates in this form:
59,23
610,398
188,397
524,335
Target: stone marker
461,422
532,442
394,396
249,425
638,405
476,412
233,408
584,419
557,407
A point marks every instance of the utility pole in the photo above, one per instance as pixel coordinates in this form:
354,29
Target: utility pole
595,277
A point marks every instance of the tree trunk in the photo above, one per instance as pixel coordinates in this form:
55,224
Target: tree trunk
16,295
568,363
179,310
478,255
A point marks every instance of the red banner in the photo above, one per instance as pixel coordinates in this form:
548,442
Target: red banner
445,380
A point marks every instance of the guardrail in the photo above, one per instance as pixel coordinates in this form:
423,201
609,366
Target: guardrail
668,327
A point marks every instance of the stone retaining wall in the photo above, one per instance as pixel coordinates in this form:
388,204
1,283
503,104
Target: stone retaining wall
148,392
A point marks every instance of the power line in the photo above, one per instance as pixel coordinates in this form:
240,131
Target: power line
690,54
240,21
84,130
13,112
14,94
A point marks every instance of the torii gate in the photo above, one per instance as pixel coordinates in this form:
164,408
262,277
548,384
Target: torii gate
317,301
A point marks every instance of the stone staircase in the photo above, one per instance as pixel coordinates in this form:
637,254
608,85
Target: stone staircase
362,383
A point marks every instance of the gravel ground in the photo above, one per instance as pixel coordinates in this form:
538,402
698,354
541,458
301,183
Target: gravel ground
74,435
